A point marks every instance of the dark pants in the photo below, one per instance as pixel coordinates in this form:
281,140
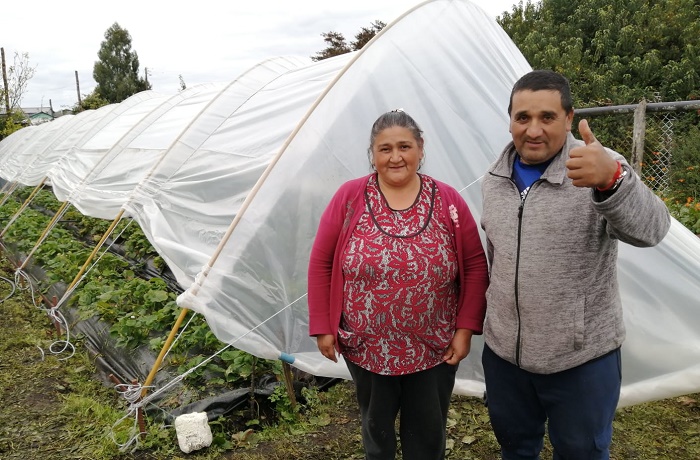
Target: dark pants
578,406
423,399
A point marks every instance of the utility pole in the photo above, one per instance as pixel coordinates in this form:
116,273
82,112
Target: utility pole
77,87
4,79
145,72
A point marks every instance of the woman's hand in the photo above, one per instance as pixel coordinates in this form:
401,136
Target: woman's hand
326,345
459,347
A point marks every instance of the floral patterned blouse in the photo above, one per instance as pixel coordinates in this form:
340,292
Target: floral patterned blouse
400,291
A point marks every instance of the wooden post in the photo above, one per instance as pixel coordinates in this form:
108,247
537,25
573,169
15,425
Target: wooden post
166,346
23,206
139,412
77,86
46,231
95,250
287,371
4,80
638,136
139,415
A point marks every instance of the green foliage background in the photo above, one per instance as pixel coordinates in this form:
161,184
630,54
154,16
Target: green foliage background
618,52
613,51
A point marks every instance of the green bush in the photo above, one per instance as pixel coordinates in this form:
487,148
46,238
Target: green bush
683,194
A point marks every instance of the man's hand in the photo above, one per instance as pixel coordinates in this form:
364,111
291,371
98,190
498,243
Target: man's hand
326,345
590,165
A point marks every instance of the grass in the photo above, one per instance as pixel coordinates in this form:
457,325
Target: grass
62,409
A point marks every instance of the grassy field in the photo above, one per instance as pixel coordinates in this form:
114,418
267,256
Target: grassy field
56,410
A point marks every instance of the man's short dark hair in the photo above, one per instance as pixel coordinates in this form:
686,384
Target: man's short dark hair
544,80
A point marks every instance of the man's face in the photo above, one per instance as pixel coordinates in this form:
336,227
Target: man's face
539,125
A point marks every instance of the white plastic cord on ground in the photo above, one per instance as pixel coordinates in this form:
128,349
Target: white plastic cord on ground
132,393
136,402
12,288
21,275
56,318
139,403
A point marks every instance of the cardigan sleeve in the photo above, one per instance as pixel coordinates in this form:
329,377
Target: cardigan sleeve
474,273
321,267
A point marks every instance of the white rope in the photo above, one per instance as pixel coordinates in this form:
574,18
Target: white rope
137,403
474,182
172,345
59,346
12,288
58,318
21,275
132,393
232,343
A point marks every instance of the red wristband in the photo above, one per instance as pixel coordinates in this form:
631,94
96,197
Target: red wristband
617,175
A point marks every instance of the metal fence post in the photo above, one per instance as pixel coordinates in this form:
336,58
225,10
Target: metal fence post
638,136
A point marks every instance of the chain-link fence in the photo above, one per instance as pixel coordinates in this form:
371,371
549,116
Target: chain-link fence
648,135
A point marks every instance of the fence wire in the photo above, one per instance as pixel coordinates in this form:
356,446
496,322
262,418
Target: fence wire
665,131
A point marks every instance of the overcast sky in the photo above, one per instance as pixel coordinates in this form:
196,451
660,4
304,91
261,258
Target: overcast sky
202,40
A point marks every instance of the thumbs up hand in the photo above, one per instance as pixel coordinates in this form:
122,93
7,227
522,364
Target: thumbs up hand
590,165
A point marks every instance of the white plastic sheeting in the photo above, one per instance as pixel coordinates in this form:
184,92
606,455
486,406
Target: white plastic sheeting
228,181
186,204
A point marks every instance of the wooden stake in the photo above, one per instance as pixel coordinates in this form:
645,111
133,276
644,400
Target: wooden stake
288,382
24,205
94,251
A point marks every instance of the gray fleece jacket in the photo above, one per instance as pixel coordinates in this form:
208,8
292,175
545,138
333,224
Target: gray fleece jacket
553,301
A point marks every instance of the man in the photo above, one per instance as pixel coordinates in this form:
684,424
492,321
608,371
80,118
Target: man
554,208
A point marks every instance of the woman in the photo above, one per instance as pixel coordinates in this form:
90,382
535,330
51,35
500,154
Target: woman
397,282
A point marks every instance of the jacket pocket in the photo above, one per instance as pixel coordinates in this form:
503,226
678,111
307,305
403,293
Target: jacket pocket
550,331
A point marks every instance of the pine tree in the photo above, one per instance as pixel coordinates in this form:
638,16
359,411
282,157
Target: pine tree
117,71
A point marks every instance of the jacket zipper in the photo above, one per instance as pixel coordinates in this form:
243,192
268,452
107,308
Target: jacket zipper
517,273
518,345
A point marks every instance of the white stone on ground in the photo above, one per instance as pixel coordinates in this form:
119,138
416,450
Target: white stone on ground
193,431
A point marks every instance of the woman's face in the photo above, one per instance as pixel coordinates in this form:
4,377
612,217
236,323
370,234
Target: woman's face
396,155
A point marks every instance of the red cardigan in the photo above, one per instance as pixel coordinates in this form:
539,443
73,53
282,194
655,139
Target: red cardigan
325,274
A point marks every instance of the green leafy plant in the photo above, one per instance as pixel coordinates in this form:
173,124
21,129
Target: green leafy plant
285,409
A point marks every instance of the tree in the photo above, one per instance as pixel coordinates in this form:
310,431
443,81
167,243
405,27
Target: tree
337,45
613,51
18,76
91,101
15,121
183,86
117,71
366,34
